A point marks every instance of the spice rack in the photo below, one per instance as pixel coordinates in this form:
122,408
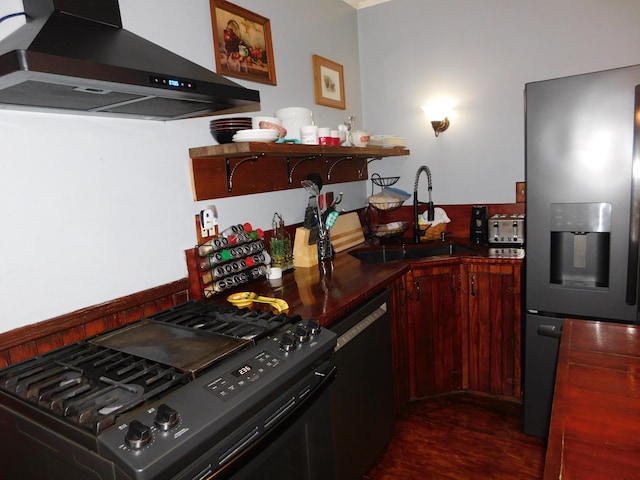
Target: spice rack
243,168
222,264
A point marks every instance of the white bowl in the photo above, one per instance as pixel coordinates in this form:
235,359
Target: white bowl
255,121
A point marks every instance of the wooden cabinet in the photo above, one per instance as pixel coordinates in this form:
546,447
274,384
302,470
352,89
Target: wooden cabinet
233,169
436,328
492,310
465,327
400,341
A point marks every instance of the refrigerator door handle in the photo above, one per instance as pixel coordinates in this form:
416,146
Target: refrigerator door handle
634,220
549,331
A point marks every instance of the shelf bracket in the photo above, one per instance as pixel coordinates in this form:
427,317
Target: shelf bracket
291,170
231,172
336,163
360,171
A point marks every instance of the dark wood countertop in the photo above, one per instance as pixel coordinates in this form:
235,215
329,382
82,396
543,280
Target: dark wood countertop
595,421
326,292
312,295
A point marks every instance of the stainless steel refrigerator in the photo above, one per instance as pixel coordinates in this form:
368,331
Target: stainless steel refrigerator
582,214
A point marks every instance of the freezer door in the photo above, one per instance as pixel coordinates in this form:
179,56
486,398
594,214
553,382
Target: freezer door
542,342
579,151
634,233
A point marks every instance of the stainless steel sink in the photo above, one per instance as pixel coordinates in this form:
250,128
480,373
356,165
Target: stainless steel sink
385,254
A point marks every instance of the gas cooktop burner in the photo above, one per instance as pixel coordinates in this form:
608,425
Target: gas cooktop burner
91,382
89,385
226,319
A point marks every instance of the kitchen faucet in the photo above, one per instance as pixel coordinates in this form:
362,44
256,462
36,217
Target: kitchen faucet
430,209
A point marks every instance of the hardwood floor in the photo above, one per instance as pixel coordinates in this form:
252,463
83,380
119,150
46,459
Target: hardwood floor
460,436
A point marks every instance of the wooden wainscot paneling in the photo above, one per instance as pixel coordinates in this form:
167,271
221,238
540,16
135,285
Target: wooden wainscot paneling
39,338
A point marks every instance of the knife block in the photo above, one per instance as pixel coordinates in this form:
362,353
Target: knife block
304,255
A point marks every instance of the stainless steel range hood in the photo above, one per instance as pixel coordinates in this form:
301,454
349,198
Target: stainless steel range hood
73,56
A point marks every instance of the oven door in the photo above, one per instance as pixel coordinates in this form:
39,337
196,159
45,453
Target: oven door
298,447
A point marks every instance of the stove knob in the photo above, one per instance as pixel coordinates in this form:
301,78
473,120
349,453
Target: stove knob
314,327
302,333
166,418
288,342
138,435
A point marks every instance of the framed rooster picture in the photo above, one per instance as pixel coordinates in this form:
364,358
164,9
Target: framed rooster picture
242,43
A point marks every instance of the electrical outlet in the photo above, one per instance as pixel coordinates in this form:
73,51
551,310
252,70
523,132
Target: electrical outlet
209,221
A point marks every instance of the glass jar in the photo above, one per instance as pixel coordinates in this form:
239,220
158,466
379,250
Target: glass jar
280,245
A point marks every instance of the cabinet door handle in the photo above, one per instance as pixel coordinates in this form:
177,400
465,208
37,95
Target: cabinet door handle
417,284
473,285
549,331
405,294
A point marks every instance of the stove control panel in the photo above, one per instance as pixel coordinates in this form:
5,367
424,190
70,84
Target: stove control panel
301,334
243,375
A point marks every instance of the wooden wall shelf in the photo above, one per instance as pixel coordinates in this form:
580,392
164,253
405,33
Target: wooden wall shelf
234,169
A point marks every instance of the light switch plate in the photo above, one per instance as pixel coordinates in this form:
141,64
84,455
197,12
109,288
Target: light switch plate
209,221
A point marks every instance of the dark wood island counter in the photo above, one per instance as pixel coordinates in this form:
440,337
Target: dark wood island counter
595,423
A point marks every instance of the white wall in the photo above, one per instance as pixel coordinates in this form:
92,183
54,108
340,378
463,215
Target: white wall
481,54
76,192
94,208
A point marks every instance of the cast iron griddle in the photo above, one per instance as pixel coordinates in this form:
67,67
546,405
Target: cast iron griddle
184,348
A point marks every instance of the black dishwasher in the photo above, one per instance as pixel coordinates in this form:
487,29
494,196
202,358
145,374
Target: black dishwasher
362,394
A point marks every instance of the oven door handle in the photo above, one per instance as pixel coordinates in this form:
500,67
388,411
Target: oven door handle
327,374
549,331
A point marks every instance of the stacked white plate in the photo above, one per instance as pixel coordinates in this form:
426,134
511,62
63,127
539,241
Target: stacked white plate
387,141
256,135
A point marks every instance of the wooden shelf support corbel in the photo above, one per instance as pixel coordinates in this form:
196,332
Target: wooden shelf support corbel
360,171
349,157
230,171
290,170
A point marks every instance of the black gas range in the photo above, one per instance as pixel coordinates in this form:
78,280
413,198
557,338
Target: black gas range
189,393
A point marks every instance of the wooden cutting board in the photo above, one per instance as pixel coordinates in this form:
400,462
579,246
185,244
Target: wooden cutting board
347,232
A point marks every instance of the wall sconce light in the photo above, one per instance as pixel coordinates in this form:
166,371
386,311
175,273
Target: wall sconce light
440,125
437,113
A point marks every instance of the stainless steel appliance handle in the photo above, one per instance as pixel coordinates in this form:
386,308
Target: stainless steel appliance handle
634,220
549,331
357,329
256,443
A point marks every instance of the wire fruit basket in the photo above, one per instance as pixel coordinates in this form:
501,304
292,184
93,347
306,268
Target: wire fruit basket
386,206
389,230
383,181
381,204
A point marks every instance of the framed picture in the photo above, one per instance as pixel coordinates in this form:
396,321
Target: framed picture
242,42
328,77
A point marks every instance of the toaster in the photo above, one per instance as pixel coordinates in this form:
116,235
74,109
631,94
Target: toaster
506,229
